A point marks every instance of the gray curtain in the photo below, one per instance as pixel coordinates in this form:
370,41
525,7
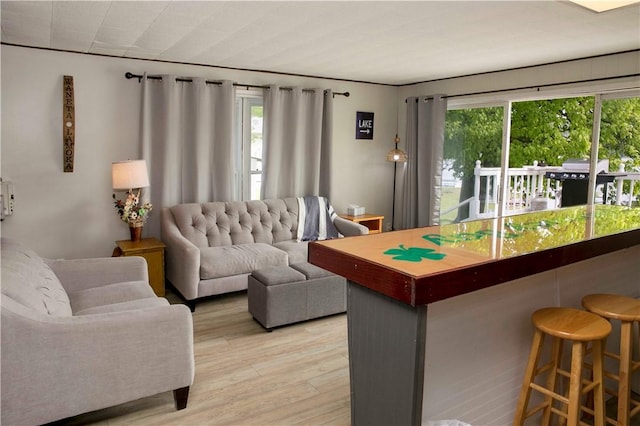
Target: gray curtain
423,175
297,142
187,140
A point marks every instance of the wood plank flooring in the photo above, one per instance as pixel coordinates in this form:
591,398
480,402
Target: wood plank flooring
295,375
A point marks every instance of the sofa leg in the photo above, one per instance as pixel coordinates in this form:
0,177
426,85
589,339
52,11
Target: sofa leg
181,396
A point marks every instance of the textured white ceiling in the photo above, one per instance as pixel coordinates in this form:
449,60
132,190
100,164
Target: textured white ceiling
388,42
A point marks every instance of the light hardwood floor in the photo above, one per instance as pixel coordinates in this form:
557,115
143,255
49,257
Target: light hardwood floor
295,375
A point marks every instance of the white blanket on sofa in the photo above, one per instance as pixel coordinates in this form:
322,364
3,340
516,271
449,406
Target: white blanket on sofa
315,219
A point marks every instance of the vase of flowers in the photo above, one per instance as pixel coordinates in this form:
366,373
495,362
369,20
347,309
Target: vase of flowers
133,213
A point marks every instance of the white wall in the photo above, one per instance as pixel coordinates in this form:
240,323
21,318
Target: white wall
71,215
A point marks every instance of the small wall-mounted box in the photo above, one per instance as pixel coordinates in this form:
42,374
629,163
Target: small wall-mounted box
355,210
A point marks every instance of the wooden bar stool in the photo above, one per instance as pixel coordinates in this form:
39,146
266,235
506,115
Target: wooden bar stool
627,311
581,328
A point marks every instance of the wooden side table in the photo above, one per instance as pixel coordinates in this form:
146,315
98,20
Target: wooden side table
152,250
371,221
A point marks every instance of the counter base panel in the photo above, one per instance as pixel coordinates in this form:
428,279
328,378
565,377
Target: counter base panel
471,349
386,358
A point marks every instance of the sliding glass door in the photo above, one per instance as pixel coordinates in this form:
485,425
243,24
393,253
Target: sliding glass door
479,172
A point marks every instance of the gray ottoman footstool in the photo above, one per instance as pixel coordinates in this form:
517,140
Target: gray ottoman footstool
281,295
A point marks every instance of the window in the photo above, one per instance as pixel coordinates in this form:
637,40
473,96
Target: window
544,132
471,134
249,145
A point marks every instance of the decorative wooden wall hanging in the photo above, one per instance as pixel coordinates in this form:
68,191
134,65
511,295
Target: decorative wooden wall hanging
68,124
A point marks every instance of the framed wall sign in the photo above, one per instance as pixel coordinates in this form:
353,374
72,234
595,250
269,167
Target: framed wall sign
364,125
68,124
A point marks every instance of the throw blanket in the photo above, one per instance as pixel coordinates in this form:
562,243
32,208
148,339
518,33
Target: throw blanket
315,219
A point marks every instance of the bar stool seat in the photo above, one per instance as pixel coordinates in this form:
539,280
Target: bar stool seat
627,311
581,328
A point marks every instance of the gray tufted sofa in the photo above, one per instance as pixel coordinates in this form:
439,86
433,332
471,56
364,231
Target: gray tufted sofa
212,248
84,334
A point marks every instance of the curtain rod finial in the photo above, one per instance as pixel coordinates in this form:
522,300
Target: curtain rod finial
129,76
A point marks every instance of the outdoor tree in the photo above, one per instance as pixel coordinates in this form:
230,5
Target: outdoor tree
620,133
550,131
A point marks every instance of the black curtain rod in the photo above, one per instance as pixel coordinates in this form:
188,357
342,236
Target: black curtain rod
129,76
537,86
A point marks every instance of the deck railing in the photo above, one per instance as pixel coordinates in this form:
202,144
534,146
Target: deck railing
529,189
626,198
525,185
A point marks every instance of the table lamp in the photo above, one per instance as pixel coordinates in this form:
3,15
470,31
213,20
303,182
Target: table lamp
131,175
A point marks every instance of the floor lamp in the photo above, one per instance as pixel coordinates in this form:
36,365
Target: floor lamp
396,156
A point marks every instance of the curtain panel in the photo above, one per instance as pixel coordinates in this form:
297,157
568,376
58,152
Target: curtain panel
297,138
423,174
186,137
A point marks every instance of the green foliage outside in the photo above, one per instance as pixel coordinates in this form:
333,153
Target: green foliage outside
473,134
548,131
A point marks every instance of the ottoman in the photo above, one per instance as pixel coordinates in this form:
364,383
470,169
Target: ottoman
280,295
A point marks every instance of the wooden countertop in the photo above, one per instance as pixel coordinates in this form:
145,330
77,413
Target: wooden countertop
424,265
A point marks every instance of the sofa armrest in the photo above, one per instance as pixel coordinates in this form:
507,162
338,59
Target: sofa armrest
349,228
81,274
93,361
182,257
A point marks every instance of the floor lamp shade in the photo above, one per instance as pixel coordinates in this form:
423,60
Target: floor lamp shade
127,175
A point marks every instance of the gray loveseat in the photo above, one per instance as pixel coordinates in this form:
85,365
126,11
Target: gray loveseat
212,248
82,335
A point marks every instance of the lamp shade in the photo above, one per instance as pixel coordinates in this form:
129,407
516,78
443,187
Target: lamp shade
397,155
126,175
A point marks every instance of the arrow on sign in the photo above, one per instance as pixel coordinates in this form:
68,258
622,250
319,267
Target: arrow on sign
367,131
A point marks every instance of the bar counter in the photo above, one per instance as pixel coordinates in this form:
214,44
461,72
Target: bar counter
439,317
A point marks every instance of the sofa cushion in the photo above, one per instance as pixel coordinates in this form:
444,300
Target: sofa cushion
131,305
219,224
312,271
298,252
274,275
28,280
218,262
109,295
284,215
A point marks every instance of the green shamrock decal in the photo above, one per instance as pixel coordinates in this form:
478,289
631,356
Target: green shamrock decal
414,254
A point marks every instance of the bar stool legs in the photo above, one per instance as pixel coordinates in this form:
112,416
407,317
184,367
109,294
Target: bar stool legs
627,311
581,328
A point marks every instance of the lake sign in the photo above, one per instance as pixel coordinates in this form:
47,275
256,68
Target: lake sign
364,125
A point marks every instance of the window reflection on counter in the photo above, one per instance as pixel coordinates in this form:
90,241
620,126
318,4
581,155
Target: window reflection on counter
526,233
